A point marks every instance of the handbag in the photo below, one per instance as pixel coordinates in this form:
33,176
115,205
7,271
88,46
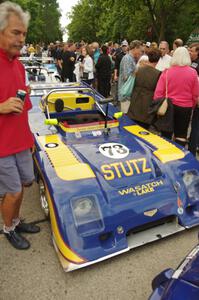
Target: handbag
84,76
127,88
164,106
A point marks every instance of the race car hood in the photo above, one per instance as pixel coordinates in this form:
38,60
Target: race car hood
132,158
117,162
134,153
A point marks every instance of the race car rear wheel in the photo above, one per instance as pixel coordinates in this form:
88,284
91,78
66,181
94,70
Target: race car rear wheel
43,199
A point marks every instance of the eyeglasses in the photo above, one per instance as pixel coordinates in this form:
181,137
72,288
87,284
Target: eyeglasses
162,48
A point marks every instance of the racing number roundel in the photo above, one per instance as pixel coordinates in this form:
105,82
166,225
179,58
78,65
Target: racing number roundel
51,145
114,150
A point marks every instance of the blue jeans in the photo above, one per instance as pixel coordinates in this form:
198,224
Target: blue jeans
194,137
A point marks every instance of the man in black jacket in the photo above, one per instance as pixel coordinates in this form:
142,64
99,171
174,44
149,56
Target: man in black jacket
68,60
118,57
103,71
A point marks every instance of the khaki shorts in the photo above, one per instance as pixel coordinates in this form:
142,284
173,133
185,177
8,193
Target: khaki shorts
15,171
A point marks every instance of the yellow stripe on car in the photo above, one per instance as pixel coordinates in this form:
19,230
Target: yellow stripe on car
66,252
165,152
66,164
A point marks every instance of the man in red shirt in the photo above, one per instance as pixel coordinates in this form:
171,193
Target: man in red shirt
16,166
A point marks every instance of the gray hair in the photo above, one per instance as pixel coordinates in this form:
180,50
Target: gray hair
165,43
7,8
135,44
181,57
178,43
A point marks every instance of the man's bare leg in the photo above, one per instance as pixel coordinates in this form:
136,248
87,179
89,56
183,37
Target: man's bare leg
10,207
18,205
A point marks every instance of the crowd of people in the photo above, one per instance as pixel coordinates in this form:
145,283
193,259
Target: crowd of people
157,72
172,75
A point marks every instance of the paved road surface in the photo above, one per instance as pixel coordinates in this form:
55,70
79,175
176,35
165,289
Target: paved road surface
37,274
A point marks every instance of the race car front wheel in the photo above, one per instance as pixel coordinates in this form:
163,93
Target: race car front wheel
43,198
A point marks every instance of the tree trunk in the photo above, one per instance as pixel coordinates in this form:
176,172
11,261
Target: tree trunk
162,22
162,32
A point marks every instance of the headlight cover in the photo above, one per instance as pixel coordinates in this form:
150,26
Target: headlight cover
87,214
191,181
82,207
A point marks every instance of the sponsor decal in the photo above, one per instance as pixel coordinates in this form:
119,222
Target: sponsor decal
150,213
144,133
142,189
180,209
114,150
51,145
125,169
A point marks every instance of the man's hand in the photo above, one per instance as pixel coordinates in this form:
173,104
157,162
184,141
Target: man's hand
115,77
12,105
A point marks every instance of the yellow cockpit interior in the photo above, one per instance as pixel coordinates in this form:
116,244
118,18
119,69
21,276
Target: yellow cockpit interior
75,111
66,101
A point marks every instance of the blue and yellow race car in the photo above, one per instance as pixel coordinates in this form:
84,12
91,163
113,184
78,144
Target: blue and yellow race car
107,184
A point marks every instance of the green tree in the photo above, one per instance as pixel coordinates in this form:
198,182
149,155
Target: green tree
50,15
84,24
133,19
164,13
186,21
44,24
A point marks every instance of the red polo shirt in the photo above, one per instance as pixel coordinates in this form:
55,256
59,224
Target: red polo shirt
15,134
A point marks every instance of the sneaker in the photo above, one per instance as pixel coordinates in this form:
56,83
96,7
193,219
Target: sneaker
16,240
27,228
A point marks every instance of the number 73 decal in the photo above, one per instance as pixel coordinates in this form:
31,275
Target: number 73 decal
114,150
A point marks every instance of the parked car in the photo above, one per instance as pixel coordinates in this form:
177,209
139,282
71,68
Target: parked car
107,184
179,284
40,69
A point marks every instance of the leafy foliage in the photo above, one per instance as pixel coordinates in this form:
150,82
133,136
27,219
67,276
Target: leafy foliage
85,23
44,24
105,20
133,19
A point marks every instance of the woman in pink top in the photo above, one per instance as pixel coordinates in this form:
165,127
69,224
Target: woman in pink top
183,89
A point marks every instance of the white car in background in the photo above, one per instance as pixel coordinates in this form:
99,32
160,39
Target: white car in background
40,69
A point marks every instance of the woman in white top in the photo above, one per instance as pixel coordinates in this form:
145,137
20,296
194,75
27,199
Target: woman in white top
87,67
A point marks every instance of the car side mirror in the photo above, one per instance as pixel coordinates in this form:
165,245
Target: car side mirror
118,115
162,278
51,122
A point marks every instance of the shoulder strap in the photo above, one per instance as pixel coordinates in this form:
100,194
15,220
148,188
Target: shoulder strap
166,83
